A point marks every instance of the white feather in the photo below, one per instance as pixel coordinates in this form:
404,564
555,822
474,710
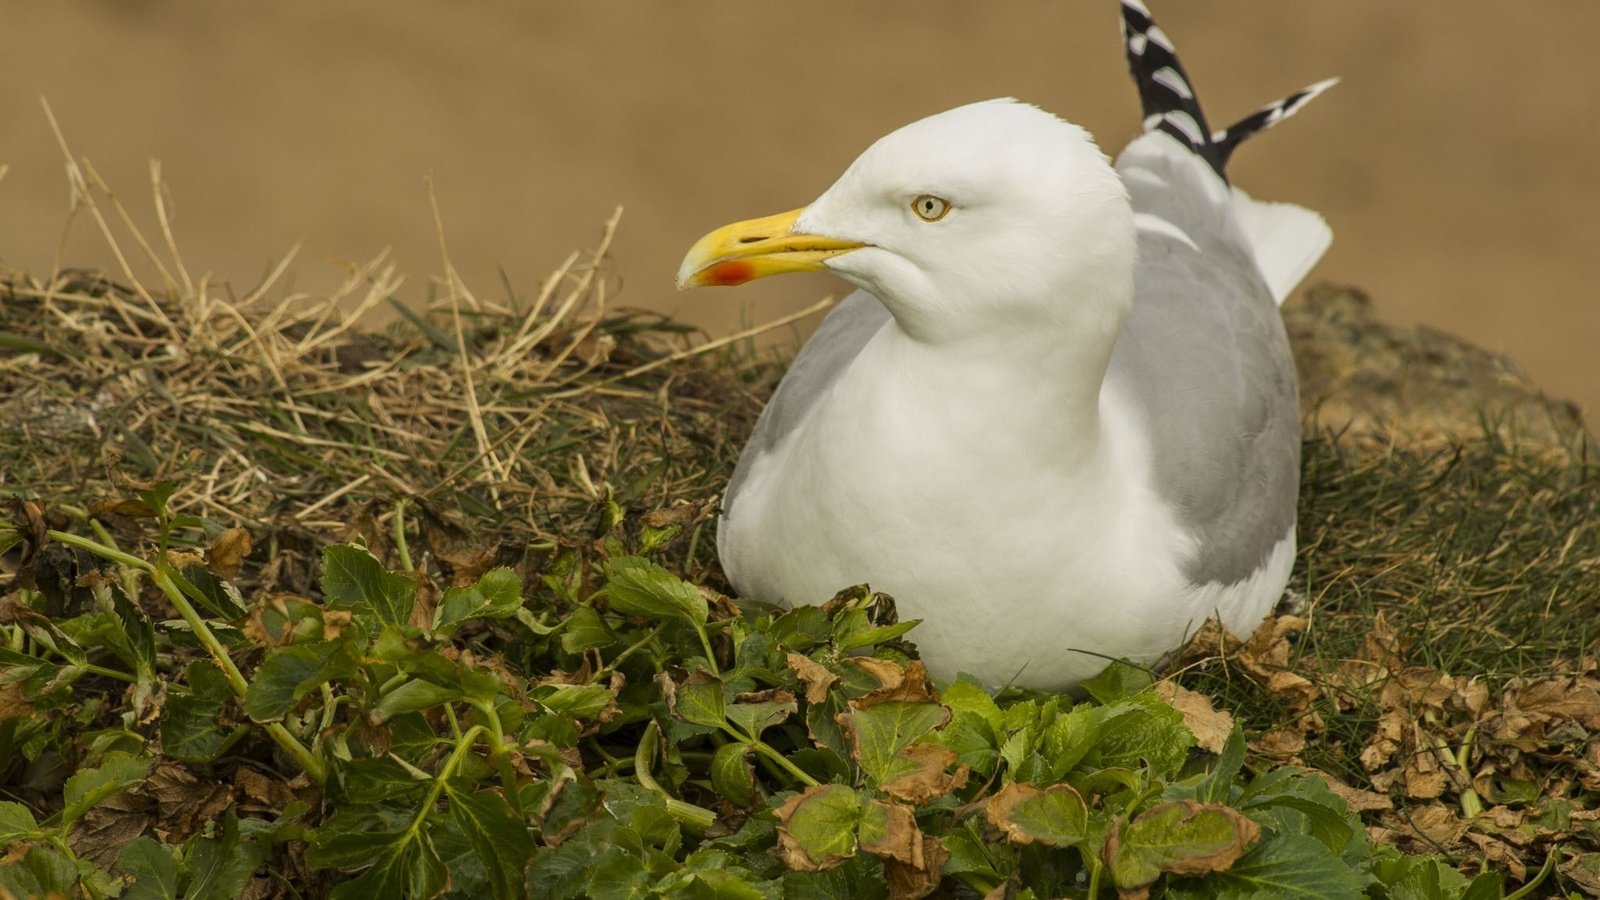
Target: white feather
1287,240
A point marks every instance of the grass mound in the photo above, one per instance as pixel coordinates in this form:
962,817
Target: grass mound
293,608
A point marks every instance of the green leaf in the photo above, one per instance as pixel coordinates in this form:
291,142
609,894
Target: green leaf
732,776
190,731
754,718
1287,866
1141,728
700,700
1118,681
220,866
413,696
116,773
581,701
353,579
1218,784
16,823
1182,837
801,628
141,637
964,696
880,732
354,837
638,587
497,833
154,870
496,595
391,875
1055,816
189,727
219,597
41,872
290,673
583,629
1290,800
817,829
854,629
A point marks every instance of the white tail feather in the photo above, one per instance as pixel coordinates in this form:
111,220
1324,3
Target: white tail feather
1287,240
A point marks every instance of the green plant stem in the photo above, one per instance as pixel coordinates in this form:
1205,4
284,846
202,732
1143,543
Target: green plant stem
445,771
611,666
101,550
697,818
705,642
110,673
313,766
1471,803
1095,868
330,705
1544,872
767,751
399,535
497,750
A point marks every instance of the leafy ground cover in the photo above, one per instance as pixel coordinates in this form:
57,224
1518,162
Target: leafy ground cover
289,608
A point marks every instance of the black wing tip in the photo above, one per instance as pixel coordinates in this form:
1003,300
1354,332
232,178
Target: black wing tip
1169,100
1165,92
1228,139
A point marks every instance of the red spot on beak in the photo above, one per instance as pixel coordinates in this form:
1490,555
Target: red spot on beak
727,274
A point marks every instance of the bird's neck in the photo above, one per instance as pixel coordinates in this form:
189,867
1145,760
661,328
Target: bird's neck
1032,391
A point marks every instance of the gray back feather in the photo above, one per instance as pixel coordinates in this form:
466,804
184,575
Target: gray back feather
1205,357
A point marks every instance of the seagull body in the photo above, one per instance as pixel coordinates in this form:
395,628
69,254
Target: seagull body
1058,422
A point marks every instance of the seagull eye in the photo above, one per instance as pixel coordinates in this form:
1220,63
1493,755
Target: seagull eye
930,208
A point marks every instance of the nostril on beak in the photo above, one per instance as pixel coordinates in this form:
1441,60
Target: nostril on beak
752,240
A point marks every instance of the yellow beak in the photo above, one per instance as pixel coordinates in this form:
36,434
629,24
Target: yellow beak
744,251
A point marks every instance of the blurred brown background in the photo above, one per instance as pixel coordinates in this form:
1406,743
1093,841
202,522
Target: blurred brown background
1459,161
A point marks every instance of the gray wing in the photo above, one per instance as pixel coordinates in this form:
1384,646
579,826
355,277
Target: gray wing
1205,356
836,342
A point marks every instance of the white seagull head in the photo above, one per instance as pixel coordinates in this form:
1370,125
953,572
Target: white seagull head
987,220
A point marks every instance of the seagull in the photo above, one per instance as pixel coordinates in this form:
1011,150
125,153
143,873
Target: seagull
1058,421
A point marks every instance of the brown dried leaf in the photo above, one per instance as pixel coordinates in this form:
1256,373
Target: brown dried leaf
129,507
1357,799
182,559
1280,742
1499,855
1435,822
1213,639
1209,725
1583,870
898,836
227,553
28,518
1268,650
929,780
912,882
816,677
1423,783
1382,645
1392,727
334,622
184,803
909,685
1574,699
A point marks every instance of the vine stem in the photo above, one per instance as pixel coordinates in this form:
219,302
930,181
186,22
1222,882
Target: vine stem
497,750
313,766
696,817
445,771
766,750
